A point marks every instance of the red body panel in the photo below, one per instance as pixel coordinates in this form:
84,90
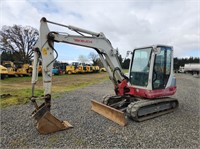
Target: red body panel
124,89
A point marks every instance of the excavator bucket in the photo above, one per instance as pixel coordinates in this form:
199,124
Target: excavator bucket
46,123
113,114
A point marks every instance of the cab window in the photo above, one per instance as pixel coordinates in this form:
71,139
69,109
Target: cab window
140,67
162,68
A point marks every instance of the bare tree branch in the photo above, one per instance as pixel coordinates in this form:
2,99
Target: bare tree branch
19,40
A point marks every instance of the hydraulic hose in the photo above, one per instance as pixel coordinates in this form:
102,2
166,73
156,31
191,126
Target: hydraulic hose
121,73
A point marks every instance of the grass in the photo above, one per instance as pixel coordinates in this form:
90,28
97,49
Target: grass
125,70
18,90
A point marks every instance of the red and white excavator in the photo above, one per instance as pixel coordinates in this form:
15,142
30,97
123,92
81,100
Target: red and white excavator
141,95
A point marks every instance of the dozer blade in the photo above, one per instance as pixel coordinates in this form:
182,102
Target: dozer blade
113,114
46,123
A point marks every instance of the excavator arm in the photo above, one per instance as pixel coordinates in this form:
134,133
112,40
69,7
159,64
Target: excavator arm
45,50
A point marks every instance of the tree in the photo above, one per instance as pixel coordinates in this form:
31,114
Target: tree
96,60
7,56
182,61
82,59
18,41
99,63
125,64
120,59
94,57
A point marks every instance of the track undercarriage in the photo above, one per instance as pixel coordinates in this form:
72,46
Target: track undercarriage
135,108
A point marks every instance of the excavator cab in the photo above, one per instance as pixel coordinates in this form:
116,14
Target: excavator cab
144,94
152,68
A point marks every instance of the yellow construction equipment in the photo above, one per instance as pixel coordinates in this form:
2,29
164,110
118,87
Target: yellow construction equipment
70,69
23,69
40,70
3,71
81,69
17,68
96,68
89,69
10,68
102,69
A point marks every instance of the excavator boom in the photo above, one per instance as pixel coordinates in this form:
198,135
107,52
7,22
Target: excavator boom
44,49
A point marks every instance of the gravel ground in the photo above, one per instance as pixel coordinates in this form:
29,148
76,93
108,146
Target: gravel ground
179,129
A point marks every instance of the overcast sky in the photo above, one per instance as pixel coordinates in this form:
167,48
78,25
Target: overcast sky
126,23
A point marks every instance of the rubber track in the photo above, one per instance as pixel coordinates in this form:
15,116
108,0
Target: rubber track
133,108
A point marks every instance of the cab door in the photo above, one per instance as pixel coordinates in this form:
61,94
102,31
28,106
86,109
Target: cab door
140,67
162,68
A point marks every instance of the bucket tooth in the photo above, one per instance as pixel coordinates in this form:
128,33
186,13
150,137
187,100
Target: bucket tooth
113,114
46,123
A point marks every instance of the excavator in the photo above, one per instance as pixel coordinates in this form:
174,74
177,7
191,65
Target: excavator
141,95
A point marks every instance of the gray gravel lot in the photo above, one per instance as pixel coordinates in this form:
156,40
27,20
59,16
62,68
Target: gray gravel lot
179,129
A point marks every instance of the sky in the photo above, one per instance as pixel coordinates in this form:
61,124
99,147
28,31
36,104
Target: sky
128,24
